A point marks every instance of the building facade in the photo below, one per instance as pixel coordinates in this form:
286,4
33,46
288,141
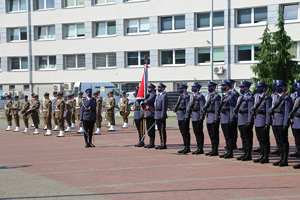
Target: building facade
106,40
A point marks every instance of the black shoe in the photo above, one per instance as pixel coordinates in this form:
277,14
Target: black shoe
198,151
87,145
222,156
275,152
214,151
182,150
158,147
229,153
297,166
296,154
284,161
258,159
279,161
242,156
187,150
208,153
161,147
140,144
151,144
265,159
257,150
248,156
92,145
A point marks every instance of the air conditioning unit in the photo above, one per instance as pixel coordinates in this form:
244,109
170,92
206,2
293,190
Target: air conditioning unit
57,87
218,70
68,86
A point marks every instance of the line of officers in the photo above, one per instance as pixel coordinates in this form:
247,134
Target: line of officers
233,111
62,111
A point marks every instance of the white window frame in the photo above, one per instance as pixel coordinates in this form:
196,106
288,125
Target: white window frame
215,63
101,4
106,57
48,63
19,35
209,28
45,6
252,54
252,18
134,1
167,65
20,64
138,31
139,60
291,20
76,37
99,36
75,2
47,32
298,49
173,24
19,7
76,62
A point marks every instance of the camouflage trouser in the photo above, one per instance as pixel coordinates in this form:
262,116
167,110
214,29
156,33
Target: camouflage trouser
61,123
98,121
68,118
125,116
111,118
35,119
47,122
17,121
9,119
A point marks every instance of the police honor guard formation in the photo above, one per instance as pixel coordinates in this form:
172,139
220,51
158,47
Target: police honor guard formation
98,112
124,109
295,117
26,107
60,114
110,109
88,117
47,114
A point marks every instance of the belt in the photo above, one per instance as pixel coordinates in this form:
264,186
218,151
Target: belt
182,109
278,111
260,112
209,110
195,110
296,114
242,111
137,109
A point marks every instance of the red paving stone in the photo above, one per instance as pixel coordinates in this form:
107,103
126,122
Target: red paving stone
118,170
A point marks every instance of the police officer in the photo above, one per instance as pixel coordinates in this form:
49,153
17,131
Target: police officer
212,120
273,97
161,106
78,105
15,109
110,109
55,120
47,113
26,107
138,119
196,103
279,112
234,122
69,106
245,120
262,121
73,118
34,109
294,95
98,111
226,116
183,118
88,117
8,113
124,109
148,104
60,113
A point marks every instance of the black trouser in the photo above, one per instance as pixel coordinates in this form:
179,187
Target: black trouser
296,133
149,122
161,125
263,138
184,128
138,127
228,135
281,139
247,137
198,131
89,129
213,131
234,133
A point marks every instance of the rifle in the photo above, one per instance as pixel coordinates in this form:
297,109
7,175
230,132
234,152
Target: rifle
253,112
235,112
178,102
204,110
192,105
277,103
295,109
222,103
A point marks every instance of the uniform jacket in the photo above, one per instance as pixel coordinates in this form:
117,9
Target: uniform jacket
60,108
35,106
244,116
235,93
229,103
296,118
138,110
150,99
199,103
124,104
16,107
47,108
99,106
74,106
26,107
213,107
88,109
285,106
161,106
8,105
262,116
293,96
183,106
111,103
69,105
78,105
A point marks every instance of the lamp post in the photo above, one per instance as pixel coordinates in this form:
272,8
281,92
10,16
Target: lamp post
212,41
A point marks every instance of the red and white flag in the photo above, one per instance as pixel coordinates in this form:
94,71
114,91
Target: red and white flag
142,93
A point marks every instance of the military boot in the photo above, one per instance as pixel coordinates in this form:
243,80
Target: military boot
187,149
262,154
242,156
248,156
284,161
199,149
226,152
296,154
229,153
297,166
214,151
151,144
183,149
265,159
279,161
208,153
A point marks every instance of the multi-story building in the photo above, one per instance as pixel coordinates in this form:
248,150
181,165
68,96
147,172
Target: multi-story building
106,40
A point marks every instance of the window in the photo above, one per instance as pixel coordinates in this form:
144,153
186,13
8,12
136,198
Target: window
173,57
45,32
17,5
18,34
293,50
137,58
26,87
19,63
105,60
203,19
252,15
11,87
75,61
105,28
44,4
74,3
137,26
97,2
290,12
204,55
247,53
47,62
172,23
75,31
